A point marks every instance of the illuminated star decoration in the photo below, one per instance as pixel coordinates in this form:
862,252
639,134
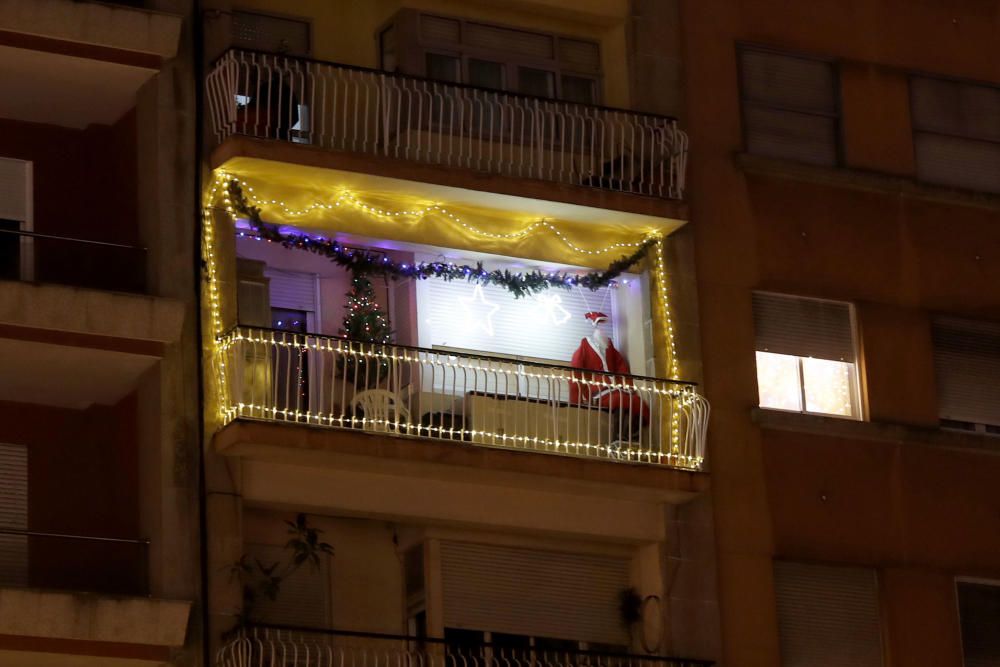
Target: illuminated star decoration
478,311
551,306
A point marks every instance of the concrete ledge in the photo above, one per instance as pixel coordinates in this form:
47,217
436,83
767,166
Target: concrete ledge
456,177
878,431
868,181
434,459
95,318
94,23
92,618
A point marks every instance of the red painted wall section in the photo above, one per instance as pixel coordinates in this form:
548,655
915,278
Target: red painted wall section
82,480
882,504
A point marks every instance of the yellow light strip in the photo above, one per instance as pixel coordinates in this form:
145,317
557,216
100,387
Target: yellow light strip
419,213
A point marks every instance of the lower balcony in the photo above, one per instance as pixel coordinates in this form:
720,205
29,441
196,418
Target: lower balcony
280,646
467,399
69,599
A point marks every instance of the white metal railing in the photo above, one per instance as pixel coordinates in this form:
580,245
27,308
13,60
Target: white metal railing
368,111
261,646
479,400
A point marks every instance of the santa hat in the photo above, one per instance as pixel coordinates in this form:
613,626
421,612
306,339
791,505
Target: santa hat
595,317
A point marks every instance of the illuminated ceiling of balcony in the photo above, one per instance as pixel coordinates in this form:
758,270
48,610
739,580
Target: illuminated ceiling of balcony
300,186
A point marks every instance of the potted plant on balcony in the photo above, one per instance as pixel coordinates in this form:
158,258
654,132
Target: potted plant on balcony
260,580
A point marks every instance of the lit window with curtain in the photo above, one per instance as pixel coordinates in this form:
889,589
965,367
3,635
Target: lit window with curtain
806,359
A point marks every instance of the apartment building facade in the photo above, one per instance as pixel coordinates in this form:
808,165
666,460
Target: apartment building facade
99,442
449,320
843,189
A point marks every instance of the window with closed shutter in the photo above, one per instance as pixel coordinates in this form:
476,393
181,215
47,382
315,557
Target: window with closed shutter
293,290
533,592
956,133
304,597
790,106
13,515
457,50
806,360
979,612
273,34
827,616
967,366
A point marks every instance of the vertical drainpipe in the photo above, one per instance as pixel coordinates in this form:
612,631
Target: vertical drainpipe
198,71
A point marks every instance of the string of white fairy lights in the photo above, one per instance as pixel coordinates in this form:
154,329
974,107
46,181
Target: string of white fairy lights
223,341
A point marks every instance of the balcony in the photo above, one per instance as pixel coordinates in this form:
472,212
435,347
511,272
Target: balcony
379,114
274,646
466,399
83,595
83,563
74,262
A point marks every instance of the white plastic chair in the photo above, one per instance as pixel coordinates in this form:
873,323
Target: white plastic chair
384,411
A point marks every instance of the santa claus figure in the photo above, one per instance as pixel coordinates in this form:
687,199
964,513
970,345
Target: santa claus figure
597,353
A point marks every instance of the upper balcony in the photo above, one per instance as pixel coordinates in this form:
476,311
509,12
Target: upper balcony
541,148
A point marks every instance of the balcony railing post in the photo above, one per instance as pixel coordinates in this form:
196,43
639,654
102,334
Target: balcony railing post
334,382
379,113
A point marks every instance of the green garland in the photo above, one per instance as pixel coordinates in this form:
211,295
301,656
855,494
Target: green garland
362,263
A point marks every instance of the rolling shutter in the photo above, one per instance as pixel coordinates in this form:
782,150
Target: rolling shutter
979,609
521,42
15,189
789,107
579,55
967,365
13,514
956,133
533,592
294,290
803,327
827,616
437,29
304,596
272,34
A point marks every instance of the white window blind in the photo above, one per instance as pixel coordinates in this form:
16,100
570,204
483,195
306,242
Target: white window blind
15,189
803,327
304,597
13,514
956,133
547,326
274,34
967,365
533,592
979,611
789,106
827,616
295,290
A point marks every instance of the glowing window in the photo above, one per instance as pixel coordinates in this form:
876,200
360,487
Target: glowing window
805,355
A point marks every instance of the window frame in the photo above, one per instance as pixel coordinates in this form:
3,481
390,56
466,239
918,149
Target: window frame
975,581
858,404
308,21
419,45
915,130
836,115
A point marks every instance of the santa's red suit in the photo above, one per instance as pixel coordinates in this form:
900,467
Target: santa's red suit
595,388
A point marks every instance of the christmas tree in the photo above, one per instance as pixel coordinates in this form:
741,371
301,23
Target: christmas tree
364,322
